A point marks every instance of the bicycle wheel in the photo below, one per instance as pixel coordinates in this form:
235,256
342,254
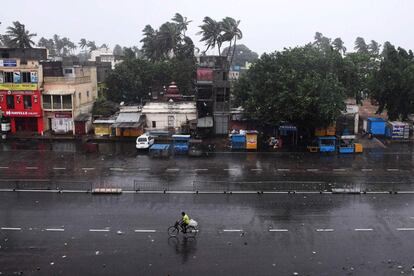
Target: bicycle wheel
191,231
172,231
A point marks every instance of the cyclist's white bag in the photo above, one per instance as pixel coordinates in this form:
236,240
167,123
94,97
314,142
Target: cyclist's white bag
193,223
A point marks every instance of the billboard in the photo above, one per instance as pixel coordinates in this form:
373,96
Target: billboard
18,86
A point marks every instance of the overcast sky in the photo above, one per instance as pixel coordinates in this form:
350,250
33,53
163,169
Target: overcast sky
267,25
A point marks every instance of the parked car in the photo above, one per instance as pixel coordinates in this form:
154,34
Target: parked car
144,141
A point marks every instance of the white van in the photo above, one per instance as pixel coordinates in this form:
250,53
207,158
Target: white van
144,141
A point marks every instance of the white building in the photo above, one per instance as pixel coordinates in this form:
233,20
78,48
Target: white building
169,115
105,55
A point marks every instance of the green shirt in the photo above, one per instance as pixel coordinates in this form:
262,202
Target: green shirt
186,219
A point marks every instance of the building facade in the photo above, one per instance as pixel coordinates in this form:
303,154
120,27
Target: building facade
20,89
69,92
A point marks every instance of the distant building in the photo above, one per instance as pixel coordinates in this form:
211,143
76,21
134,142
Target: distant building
130,122
169,115
20,88
105,55
69,93
213,94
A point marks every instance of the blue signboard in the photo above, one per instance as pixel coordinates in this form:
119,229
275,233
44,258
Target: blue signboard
9,63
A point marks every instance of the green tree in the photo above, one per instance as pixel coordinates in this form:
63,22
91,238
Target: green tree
18,36
103,107
242,54
374,48
231,33
361,46
83,43
118,50
211,32
181,22
339,45
392,85
299,85
91,45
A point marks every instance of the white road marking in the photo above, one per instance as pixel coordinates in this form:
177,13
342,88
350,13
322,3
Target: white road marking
230,169
117,169
312,170
98,230
366,170
256,169
232,230
324,230
144,169
363,229
278,230
31,168
405,229
55,229
197,170
4,168
173,170
11,228
339,170
393,170
283,170
57,168
144,231
88,169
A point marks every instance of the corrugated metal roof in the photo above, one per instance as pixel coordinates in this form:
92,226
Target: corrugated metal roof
128,117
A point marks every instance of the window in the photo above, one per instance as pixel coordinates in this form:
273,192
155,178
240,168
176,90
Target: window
27,100
224,76
10,101
47,102
26,77
8,77
68,71
154,124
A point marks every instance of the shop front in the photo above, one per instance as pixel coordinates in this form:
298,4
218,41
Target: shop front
23,109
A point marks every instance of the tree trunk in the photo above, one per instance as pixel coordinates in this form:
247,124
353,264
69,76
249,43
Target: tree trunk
234,50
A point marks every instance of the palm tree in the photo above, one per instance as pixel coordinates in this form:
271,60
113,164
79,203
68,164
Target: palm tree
91,45
211,32
150,45
339,45
182,23
231,32
168,38
360,45
19,36
82,43
374,48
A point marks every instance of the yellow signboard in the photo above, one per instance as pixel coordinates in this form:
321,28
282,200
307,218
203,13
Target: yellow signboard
251,141
18,86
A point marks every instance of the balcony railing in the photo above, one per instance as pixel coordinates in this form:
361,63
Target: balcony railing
57,106
67,80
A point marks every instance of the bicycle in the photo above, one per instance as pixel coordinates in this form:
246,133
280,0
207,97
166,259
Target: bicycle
177,228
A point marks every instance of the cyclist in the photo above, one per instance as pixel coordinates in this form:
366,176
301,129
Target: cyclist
185,220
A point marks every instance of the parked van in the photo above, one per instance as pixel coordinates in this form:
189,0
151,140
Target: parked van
144,141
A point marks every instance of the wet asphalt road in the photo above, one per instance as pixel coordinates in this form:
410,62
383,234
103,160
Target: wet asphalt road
119,165
81,234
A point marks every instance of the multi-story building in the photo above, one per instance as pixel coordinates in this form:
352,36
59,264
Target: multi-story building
20,88
213,94
69,92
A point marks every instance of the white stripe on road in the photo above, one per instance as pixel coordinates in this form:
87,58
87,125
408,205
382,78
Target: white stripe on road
4,168
278,230
197,170
144,169
117,169
283,170
393,170
173,170
31,168
88,169
339,170
98,230
405,229
11,228
324,230
144,231
55,229
366,170
232,230
312,170
57,168
256,169
363,229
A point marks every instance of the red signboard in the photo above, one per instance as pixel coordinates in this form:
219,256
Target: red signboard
205,74
21,103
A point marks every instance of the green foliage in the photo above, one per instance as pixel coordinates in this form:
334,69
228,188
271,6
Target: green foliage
103,107
242,55
300,85
392,86
18,37
57,46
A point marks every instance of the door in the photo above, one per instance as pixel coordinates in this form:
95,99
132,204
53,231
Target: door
80,128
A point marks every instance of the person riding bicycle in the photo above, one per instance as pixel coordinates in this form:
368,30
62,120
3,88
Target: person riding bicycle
185,221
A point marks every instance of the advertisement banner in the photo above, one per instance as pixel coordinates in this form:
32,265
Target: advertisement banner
16,77
12,113
33,77
18,86
9,63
